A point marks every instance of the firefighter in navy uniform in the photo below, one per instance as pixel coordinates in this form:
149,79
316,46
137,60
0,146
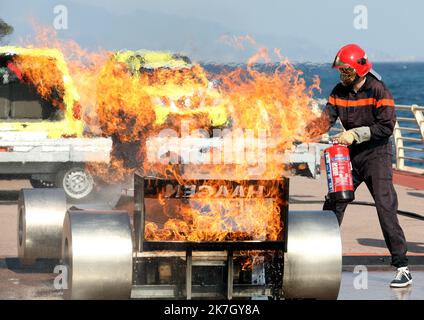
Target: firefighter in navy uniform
366,109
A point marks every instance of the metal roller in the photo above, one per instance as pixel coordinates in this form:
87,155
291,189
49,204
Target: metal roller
313,261
40,213
97,249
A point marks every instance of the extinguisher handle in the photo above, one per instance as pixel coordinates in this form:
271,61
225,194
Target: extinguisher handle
334,142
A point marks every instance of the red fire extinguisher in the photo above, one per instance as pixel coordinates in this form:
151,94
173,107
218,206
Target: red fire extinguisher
339,173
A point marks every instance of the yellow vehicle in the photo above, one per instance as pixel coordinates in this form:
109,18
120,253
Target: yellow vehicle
41,133
181,89
41,130
22,108
175,88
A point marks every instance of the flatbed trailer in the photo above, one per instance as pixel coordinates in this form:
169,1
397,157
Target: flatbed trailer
51,162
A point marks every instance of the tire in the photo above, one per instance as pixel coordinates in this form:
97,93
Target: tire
77,182
36,183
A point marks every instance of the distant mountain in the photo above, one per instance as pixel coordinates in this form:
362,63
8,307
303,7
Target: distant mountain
94,27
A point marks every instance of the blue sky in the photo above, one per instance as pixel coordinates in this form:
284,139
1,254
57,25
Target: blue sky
303,30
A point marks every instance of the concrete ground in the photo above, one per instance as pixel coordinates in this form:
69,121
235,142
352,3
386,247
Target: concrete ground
360,229
36,282
26,283
361,235
375,285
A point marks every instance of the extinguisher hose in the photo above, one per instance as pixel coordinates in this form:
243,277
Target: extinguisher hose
408,214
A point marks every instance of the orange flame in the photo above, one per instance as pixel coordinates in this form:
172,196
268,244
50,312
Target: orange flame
119,104
217,212
49,85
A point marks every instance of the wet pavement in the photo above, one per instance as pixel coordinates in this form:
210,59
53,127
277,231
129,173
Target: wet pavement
27,282
37,282
372,284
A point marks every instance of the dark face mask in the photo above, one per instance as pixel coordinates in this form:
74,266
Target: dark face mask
348,76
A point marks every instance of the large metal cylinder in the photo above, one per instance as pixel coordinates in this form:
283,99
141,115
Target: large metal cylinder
313,261
97,250
41,213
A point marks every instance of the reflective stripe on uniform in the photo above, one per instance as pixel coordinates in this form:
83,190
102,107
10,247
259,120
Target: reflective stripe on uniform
361,102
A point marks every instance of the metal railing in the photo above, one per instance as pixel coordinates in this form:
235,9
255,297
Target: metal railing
416,125
405,126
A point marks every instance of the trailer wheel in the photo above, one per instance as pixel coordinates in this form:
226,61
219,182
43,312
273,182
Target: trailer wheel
313,261
97,250
77,182
40,221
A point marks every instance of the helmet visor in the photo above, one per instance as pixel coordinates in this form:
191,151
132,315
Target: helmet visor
338,63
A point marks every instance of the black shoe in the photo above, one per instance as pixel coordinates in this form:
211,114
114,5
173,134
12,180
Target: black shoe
402,278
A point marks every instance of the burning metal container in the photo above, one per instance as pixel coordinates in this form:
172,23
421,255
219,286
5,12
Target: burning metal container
213,257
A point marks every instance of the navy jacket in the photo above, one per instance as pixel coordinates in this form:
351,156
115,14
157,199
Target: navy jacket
371,106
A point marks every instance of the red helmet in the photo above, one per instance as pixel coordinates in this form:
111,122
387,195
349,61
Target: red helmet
354,56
